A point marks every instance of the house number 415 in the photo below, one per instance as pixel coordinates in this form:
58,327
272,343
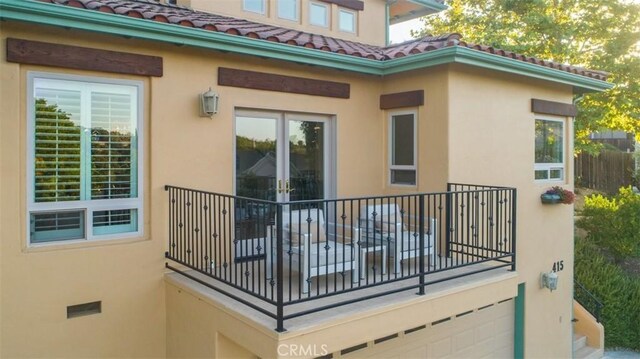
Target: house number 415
558,266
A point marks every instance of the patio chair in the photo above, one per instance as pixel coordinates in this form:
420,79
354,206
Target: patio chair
385,223
313,253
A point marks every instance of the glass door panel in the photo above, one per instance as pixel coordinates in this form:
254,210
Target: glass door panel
257,175
257,158
306,160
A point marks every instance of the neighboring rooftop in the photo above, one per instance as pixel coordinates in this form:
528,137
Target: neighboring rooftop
166,13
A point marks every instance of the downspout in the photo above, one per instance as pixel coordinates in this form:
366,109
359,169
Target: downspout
386,24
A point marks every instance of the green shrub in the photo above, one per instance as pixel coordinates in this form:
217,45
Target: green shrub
619,292
613,223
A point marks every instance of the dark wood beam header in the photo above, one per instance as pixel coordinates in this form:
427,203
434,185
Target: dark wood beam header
280,83
553,108
351,4
402,99
82,58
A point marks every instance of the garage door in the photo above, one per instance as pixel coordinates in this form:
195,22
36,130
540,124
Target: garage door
483,333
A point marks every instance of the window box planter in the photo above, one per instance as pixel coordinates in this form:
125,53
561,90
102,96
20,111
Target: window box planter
550,198
557,195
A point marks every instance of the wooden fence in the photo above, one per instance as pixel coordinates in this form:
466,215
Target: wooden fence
606,172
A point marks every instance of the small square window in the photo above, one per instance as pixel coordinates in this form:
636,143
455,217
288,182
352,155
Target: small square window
257,6
347,20
288,9
319,14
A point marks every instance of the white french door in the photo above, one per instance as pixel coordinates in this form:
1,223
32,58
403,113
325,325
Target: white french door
282,156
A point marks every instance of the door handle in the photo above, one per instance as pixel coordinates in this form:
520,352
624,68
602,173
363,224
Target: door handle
288,188
280,190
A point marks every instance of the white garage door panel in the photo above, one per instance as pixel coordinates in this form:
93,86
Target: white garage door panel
486,333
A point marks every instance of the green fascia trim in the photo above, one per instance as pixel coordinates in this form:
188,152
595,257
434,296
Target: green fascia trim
518,333
118,25
431,4
463,55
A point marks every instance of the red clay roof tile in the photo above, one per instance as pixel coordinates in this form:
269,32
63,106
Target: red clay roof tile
152,10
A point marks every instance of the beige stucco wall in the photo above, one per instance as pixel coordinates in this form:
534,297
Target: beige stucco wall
370,23
476,126
433,157
491,140
181,149
197,317
587,325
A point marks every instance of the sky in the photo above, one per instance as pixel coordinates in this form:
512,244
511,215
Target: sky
400,32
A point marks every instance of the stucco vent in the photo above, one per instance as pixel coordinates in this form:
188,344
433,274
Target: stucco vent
80,310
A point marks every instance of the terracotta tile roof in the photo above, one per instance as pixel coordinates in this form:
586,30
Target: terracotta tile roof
178,15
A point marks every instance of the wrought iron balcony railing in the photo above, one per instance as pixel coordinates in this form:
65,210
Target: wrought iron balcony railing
275,256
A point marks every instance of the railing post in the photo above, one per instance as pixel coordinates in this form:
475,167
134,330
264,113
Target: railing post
447,243
421,215
514,204
279,274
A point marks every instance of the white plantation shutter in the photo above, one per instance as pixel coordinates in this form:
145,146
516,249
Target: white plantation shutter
57,145
113,156
85,160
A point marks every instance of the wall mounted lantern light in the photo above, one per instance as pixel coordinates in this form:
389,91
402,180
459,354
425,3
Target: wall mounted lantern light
549,280
208,103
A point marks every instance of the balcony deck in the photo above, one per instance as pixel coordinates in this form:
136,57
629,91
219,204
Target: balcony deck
438,284
300,262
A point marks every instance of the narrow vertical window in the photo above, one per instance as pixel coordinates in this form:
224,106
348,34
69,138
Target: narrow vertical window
288,9
347,20
84,159
257,6
549,150
402,143
319,14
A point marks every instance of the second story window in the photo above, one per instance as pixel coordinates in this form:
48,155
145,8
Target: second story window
257,6
347,20
549,150
84,180
319,14
402,148
288,9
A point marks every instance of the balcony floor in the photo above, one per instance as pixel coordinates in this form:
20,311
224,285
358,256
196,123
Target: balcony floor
443,283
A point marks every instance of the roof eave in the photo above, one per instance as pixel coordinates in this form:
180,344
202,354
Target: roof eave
431,4
129,27
464,55
118,25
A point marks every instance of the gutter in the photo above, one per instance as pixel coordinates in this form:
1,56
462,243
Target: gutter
118,25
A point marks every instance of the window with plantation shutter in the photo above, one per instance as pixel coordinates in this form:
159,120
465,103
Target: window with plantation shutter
84,149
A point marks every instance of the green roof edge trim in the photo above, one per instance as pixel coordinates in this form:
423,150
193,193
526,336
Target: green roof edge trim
118,25
464,55
431,4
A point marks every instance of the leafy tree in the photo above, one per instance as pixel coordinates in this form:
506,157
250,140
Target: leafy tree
596,34
613,223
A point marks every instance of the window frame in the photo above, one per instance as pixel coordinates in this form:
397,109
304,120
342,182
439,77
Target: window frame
549,166
88,206
327,17
297,11
354,23
264,7
390,164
